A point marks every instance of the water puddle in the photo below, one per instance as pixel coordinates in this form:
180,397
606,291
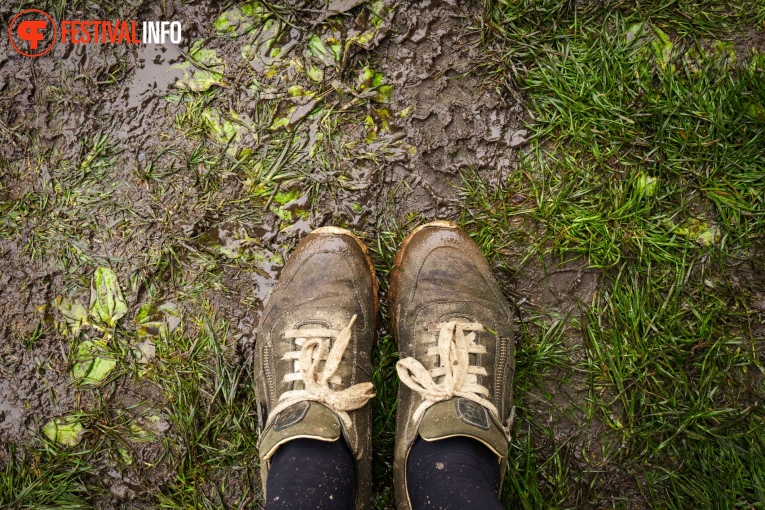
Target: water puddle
11,410
154,74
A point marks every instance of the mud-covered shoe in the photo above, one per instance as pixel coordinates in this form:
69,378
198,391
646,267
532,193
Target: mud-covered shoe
313,351
453,327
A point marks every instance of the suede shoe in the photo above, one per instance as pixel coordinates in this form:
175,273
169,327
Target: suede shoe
453,327
313,351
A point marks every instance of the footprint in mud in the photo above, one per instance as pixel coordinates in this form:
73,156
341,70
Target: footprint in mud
455,123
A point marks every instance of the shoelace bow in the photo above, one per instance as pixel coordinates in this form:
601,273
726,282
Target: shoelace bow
459,377
314,343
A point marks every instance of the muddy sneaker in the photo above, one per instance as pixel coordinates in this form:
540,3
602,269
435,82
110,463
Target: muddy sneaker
454,332
313,351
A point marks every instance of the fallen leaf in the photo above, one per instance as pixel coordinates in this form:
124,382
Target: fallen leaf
148,351
127,459
74,312
340,6
205,71
700,232
106,302
67,430
317,48
91,365
157,319
661,46
646,184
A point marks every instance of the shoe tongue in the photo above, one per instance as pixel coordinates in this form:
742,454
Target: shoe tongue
463,417
306,420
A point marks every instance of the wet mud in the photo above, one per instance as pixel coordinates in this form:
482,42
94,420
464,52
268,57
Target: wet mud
110,157
456,122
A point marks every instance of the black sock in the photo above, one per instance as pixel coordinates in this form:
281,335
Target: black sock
307,473
453,473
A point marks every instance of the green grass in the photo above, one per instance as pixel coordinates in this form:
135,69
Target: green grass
212,407
44,479
646,161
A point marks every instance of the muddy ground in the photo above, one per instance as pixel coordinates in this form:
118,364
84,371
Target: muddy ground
197,197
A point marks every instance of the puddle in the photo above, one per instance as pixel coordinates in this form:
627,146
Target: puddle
154,73
11,410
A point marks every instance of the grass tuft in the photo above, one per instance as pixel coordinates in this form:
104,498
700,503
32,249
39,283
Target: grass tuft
646,162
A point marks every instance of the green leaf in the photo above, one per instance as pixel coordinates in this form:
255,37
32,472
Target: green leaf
206,71
283,121
127,459
646,185
222,130
363,39
383,93
317,48
726,50
379,11
756,111
373,80
314,74
700,232
635,32
67,430
106,302
157,319
336,48
204,56
240,20
91,366
74,314
228,22
196,80
255,9
139,433
284,197
661,46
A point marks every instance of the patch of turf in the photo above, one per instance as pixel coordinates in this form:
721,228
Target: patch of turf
211,404
43,479
647,161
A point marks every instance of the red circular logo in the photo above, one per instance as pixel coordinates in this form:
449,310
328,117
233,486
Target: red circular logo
34,30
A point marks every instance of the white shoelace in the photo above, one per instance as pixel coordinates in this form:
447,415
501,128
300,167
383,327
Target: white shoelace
314,346
454,347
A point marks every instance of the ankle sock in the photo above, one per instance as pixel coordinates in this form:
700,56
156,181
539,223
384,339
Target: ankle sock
307,473
453,473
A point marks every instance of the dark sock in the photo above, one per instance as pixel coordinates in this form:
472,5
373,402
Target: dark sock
453,473
307,473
